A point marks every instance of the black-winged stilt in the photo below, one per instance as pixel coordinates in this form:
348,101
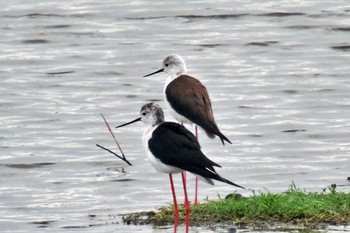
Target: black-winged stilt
188,100
171,148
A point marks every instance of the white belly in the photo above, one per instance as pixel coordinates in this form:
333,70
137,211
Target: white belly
156,163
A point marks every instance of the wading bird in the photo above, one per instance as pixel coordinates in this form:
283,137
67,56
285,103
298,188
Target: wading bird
171,148
188,100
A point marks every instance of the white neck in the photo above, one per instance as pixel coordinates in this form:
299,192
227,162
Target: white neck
147,135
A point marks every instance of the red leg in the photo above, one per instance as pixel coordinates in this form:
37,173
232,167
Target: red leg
184,182
184,174
187,204
196,187
176,209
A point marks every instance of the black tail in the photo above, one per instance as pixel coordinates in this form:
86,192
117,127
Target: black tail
228,182
208,172
223,138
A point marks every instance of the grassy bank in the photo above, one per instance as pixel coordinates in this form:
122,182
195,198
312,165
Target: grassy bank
292,208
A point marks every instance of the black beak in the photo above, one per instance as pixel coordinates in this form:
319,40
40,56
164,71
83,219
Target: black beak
136,120
158,71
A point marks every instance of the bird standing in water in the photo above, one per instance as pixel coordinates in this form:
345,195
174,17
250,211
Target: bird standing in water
188,100
171,148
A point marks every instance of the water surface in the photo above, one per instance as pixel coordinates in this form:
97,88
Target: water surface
277,74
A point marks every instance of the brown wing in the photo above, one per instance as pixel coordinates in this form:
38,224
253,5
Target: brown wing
189,97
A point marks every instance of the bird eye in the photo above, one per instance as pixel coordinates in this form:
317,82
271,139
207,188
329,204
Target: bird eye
144,114
166,64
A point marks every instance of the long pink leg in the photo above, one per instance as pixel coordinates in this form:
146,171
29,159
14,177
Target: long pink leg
187,204
196,187
184,182
176,209
184,174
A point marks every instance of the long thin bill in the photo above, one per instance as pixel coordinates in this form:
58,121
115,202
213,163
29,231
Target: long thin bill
136,120
158,71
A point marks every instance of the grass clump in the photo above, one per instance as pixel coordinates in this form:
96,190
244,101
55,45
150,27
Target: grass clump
293,207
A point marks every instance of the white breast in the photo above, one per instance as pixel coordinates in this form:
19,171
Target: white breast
157,164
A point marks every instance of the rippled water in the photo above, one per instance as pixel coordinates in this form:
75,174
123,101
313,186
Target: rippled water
277,73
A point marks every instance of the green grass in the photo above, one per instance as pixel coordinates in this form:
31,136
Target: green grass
264,210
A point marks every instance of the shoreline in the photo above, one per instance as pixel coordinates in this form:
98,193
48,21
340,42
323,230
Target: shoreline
290,210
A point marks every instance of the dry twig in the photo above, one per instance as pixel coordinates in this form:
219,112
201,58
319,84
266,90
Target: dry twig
115,140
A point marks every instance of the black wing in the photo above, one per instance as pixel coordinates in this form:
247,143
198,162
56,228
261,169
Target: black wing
176,146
